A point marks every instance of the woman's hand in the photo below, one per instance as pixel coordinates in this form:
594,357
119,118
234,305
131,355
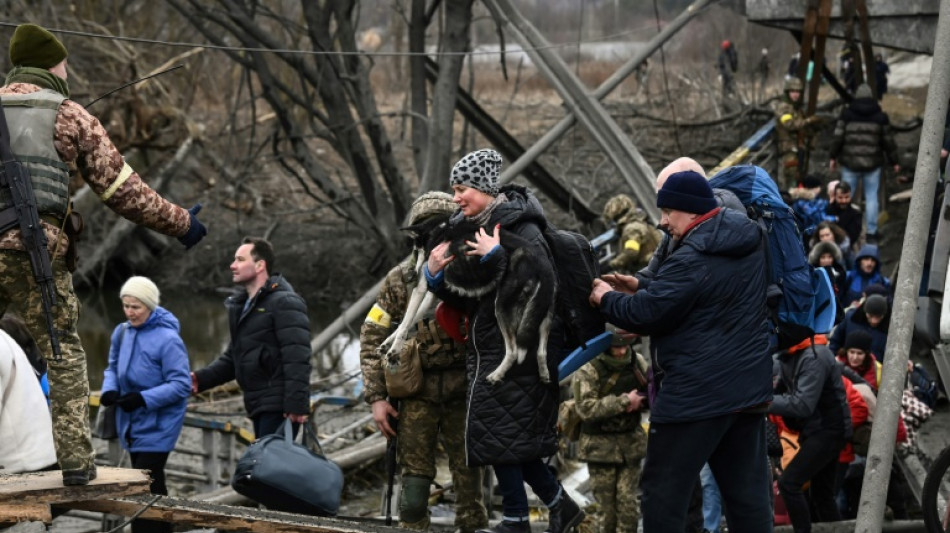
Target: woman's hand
484,242
437,258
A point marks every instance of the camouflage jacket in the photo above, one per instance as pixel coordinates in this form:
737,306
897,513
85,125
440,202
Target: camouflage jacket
609,434
789,121
638,240
84,145
443,360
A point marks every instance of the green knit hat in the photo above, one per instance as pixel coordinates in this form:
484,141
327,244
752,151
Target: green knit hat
33,46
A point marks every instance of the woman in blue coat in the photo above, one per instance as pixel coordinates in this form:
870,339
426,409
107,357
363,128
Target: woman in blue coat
149,379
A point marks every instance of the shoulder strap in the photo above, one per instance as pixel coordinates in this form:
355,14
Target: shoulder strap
611,381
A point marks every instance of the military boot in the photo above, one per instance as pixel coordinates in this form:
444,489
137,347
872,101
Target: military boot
79,477
507,526
565,515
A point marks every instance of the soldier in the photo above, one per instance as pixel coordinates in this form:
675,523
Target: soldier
794,133
57,140
438,409
638,238
609,393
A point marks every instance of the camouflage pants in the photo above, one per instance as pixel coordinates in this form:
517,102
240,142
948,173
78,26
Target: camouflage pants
420,424
789,175
68,381
615,489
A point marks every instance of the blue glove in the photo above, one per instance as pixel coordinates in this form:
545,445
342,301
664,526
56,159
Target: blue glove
196,230
131,401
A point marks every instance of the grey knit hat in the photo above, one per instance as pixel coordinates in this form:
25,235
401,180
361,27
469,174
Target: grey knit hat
478,170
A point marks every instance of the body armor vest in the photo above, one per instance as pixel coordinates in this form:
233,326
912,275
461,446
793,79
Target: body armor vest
622,423
32,122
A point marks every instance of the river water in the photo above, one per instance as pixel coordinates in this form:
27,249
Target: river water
204,328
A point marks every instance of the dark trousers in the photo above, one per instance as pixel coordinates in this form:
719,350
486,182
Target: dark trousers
511,480
154,462
268,423
817,462
734,447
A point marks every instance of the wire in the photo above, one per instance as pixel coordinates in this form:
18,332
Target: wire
666,83
137,514
142,40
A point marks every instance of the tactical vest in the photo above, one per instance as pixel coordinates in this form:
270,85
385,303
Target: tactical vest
32,122
437,350
622,423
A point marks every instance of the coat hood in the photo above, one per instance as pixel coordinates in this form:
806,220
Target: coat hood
868,250
728,233
275,283
522,206
825,247
161,318
801,193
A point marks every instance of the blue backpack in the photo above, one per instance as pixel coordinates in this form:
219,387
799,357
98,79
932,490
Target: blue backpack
799,298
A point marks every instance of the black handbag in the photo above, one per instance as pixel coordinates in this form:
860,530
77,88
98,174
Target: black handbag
105,423
285,476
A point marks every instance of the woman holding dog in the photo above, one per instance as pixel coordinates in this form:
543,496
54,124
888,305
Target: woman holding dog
510,425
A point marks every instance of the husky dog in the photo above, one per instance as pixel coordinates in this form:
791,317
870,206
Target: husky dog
525,293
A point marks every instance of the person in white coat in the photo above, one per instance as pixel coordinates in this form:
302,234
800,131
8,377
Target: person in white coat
25,421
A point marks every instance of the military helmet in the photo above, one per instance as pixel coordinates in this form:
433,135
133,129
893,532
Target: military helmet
794,83
429,204
618,206
620,337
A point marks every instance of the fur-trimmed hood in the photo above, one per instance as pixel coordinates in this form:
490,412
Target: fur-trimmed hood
801,193
825,247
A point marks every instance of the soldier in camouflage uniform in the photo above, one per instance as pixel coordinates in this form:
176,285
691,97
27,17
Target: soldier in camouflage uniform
439,409
609,393
794,131
638,238
59,142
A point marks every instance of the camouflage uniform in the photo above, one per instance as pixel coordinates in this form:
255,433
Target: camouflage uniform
84,146
439,409
794,133
638,238
612,441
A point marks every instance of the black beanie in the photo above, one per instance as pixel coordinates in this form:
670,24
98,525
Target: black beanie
859,339
33,46
875,305
686,191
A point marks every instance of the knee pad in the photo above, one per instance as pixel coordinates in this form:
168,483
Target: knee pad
414,498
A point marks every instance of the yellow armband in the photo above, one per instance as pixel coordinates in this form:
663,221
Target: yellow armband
377,315
123,176
632,245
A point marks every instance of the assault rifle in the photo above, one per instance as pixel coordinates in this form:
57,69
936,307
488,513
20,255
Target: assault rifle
391,465
16,178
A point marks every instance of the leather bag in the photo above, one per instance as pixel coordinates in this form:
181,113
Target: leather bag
105,423
286,476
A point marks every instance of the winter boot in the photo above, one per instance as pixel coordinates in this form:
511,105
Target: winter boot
565,515
507,526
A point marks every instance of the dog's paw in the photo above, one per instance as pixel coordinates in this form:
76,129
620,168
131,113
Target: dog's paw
495,377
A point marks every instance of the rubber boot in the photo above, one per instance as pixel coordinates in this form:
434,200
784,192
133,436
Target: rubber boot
565,515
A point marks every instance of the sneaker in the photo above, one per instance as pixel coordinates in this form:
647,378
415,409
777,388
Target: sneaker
506,526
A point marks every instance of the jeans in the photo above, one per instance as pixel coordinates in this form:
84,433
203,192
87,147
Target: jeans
712,500
872,181
511,480
267,423
733,445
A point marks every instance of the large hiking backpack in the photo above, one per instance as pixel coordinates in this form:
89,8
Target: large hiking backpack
576,265
797,295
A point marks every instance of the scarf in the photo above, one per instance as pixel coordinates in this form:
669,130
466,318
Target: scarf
38,76
482,218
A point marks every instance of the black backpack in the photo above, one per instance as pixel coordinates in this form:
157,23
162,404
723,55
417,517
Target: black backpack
576,266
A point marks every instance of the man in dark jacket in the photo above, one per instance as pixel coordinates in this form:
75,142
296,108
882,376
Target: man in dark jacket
269,352
811,400
873,317
862,144
704,309
846,215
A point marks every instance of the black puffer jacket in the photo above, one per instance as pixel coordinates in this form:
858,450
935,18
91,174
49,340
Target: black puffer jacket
863,139
515,420
269,352
810,395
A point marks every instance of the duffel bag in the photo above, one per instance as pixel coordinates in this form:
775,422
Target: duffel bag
286,476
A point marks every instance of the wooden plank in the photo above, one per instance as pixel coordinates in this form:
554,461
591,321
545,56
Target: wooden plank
763,10
47,487
25,513
229,518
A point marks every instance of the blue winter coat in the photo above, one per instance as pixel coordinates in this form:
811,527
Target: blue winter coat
857,280
150,359
705,312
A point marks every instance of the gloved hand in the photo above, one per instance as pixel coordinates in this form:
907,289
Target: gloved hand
109,398
131,401
196,230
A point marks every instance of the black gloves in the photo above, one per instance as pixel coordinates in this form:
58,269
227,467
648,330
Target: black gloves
109,398
131,401
196,230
